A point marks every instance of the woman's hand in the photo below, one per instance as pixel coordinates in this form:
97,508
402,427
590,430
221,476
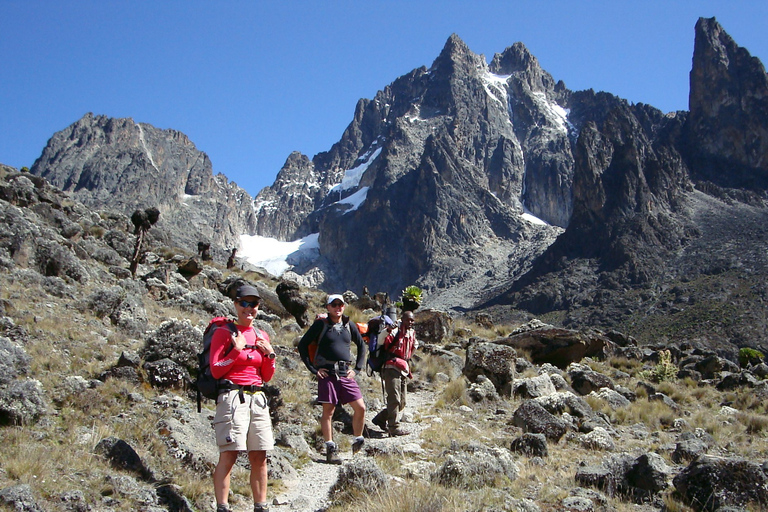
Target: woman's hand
238,341
322,373
264,346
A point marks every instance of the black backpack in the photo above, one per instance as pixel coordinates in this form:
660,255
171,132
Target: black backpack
377,356
206,385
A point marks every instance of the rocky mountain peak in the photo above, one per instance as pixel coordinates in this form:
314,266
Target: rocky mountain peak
124,165
517,60
726,131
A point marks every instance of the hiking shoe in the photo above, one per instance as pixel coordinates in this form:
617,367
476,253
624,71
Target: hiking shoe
222,507
380,420
332,454
357,444
258,507
394,432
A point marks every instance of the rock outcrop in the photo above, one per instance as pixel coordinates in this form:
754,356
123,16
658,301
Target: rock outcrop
124,165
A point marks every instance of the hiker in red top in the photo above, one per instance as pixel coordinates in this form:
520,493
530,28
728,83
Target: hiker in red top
400,344
242,422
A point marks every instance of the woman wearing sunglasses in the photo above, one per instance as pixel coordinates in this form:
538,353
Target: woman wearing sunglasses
246,360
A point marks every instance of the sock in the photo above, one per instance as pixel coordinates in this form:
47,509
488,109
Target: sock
360,438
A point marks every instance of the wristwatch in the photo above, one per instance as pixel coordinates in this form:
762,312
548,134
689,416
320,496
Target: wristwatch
271,355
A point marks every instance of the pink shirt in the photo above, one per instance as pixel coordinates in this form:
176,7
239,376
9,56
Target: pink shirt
244,367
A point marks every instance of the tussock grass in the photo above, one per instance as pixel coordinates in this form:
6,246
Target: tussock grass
630,366
427,366
454,394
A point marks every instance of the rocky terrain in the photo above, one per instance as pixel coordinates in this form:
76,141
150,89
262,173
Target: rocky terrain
593,327
97,412
505,191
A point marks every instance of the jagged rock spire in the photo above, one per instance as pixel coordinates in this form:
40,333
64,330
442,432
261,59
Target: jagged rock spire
726,131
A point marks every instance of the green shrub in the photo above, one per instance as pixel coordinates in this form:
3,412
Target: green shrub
665,370
749,355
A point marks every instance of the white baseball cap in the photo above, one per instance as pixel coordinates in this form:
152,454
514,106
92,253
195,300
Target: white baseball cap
334,297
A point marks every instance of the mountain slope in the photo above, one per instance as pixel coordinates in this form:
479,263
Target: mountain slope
127,166
490,185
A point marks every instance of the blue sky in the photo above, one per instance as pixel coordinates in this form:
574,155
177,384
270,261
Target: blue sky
251,81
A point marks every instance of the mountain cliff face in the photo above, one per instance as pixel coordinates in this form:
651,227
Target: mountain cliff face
126,166
727,132
669,212
493,186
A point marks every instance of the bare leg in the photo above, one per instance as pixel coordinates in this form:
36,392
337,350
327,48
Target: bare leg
258,461
326,421
358,418
221,476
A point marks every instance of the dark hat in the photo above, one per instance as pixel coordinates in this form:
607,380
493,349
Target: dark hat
247,290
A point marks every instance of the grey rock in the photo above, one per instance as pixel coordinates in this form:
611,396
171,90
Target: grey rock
534,387
433,326
496,362
482,389
476,468
14,361
584,380
122,456
20,497
166,373
22,402
613,398
534,418
598,439
530,445
709,483
176,340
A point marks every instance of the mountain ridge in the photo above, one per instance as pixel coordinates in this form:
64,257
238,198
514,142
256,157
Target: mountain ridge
450,157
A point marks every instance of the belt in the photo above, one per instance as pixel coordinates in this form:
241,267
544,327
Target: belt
250,388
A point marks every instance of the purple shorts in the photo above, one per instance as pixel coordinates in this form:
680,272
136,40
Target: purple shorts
337,390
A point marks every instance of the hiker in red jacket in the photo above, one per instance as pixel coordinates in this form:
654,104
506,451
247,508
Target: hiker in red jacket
400,344
242,422
336,371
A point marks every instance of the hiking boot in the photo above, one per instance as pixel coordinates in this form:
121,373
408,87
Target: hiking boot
380,420
260,507
357,444
332,454
222,507
397,431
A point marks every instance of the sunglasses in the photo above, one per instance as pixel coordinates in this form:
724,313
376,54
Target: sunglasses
249,304
336,304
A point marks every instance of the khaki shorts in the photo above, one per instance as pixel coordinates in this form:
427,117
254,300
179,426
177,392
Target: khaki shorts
243,426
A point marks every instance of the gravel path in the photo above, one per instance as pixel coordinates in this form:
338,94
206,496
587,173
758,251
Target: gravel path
310,492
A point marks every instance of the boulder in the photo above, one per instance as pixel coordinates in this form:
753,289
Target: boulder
534,418
534,387
22,402
584,380
559,347
289,294
710,483
496,362
433,326
476,467
530,445
20,497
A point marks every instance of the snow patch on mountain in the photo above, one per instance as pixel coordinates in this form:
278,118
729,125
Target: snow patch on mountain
352,176
275,256
496,86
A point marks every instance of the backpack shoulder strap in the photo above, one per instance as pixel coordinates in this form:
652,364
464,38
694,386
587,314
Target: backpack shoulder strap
323,330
